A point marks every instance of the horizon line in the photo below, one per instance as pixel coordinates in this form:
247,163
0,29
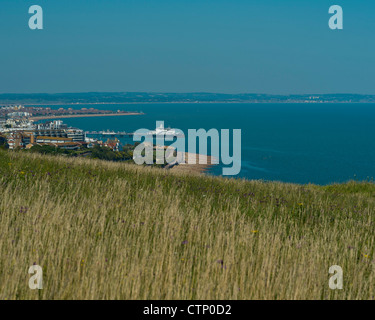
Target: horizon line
187,92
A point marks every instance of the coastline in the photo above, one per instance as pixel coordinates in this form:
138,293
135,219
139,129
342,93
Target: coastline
193,168
84,116
193,102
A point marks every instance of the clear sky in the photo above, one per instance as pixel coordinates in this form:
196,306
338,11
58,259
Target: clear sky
232,46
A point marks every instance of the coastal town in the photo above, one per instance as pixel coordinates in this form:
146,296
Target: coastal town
40,129
21,128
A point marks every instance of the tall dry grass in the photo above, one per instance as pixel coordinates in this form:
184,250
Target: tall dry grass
104,230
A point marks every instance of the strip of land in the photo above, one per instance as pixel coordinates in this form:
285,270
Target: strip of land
192,97
37,118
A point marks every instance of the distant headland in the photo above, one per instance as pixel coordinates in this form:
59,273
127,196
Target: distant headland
84,115
149,97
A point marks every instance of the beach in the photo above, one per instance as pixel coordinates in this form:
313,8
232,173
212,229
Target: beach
194,168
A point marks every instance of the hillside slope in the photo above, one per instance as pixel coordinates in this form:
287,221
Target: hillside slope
103,230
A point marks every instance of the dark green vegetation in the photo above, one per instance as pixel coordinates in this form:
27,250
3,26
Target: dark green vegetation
3,143
97,152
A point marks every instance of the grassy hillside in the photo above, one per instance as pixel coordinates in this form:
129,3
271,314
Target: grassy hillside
104,230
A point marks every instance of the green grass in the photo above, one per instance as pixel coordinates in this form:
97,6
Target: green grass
104,230
352,187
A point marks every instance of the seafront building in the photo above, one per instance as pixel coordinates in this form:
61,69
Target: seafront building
21,132
71,139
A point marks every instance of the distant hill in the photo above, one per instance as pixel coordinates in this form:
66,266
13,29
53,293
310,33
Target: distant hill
149,97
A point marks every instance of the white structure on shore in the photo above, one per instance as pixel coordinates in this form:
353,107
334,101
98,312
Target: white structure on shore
165,132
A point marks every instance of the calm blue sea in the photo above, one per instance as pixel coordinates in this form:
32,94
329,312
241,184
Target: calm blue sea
300,143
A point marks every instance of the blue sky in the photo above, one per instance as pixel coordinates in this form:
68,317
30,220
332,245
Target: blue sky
233,46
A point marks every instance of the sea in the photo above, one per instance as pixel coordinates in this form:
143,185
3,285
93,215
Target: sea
320,143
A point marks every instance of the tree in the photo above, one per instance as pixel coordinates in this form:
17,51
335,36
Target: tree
3,143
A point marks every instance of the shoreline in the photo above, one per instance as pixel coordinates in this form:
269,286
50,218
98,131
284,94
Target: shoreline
192,102
194,168
37,118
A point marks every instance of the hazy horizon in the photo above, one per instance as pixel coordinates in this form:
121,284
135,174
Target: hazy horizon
193,92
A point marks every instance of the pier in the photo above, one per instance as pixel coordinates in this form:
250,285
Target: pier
110,133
